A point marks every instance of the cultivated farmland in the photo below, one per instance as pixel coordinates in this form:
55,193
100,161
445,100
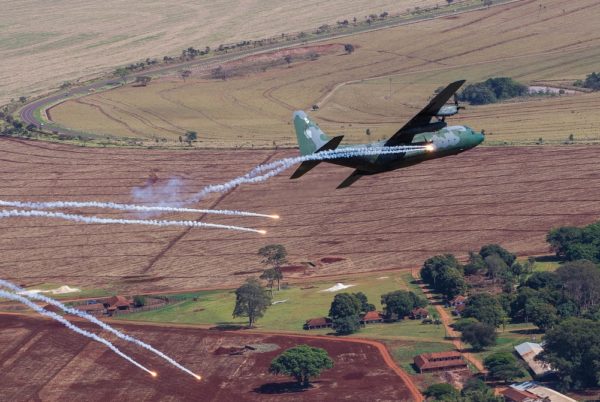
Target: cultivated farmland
383,83
43,44
506,195
44,360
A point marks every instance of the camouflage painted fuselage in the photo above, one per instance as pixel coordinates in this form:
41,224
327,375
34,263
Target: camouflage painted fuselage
445,142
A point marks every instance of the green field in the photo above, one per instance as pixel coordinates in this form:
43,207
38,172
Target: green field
216,307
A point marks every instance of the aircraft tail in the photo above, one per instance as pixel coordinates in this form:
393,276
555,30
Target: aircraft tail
310,137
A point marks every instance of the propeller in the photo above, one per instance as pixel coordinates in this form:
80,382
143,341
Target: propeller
456,103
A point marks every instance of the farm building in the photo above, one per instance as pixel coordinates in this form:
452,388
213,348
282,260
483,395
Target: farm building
514,395
372,317
117,303
419,313
458,310
428,362
544,394
528,351
320,322
458,301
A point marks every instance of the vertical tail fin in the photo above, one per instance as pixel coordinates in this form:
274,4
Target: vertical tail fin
310,137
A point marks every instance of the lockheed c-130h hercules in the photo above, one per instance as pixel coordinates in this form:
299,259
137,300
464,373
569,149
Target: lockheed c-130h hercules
436,139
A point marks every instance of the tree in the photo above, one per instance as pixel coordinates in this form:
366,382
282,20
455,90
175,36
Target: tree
476,390
345,310
475,264
400,303
495,266
271,275
571,347
543,315
139,301
185,74
485,308
592,81
561,238
142,80
122,73
580,283
479,335
364,302
441,392
346,325
302,362
349,48
251,301
445,275
503,366
498,250
274,255
190,136
288,59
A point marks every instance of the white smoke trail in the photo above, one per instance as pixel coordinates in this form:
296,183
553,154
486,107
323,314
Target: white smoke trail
262,173
91,318
11,296
95,219
126,207
259,174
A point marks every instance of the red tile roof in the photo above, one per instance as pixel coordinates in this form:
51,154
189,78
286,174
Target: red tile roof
519,396
90,307
372,316
458,299
427,361
420,311
119,301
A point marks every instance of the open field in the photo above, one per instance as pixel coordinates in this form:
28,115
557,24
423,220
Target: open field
511,196
43,360
45,43
382,84
303,301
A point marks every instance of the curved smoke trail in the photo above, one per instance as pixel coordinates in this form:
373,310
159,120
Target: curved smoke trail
11,296
264,172
258,174
103,325
95,219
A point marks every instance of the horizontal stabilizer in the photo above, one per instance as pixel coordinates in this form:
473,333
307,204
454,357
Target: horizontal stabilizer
357,174
308,165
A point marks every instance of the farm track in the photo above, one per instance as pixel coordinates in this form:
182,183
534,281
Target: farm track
512,196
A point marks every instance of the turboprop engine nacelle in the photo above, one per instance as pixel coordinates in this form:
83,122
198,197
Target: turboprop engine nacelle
448,110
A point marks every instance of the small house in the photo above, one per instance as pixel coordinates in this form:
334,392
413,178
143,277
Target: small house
115,303
419,313
372,317
428,362
458,301
515,395
317,323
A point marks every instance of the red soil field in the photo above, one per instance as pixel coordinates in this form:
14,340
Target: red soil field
42,360
396,220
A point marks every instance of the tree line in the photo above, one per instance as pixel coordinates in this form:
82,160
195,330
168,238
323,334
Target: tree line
564,304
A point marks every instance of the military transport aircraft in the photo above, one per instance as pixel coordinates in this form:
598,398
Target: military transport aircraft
437,140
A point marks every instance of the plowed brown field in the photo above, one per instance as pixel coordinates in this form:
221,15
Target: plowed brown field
511,196
43,360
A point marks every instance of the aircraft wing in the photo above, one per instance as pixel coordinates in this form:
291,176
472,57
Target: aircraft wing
406,134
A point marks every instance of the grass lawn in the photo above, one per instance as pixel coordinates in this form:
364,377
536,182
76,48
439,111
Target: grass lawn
404,352
215,307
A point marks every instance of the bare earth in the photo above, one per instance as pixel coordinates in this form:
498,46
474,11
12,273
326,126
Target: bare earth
42,360
512,196
43,44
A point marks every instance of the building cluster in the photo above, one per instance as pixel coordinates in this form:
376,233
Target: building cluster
371,317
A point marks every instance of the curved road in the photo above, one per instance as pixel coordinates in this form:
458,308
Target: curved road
27,112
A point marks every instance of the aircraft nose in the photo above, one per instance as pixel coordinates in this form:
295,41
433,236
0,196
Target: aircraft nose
480,137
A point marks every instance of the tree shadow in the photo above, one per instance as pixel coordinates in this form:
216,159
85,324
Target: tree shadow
547,258
281,388
228,326
530,331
